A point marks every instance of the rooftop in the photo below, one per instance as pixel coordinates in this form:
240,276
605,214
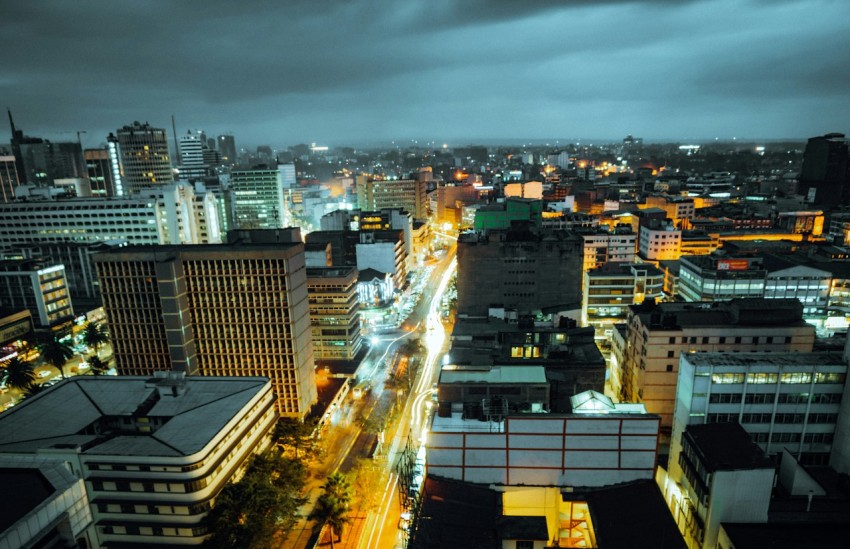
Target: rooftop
85,412
726,447
766,359
452,373
780,536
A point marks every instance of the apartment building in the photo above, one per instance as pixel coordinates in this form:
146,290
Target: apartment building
610,289
39,287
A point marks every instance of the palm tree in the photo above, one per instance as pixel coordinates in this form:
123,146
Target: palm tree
94,335
32,390
329,510
338,486
98,365
56,353
20,374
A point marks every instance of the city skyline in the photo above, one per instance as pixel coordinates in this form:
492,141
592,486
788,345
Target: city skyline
361,73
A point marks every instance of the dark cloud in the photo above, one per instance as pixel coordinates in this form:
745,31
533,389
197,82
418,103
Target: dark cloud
367,70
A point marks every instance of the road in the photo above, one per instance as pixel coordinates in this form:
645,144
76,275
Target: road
382,527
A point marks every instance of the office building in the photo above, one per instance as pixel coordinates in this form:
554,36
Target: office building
100,171
334,312
227,149
216,310
602,246
657,335
192,166
8,177
659,241
825,174
519,269
678,210
40,288
172,215
610,289
719,475
722,277
257,199
142,153
545,449
47,505
785,401
377,194
153,452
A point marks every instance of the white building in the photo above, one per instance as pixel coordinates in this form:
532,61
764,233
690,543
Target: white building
785,401
153,452
660,243
49,505
603,246
192,165
599,444
168,215
719,476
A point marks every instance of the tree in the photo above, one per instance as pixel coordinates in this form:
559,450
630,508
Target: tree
94,335
32,389
292,433
339,487
20,374
366,484
249,513
98,365
56,353
331,511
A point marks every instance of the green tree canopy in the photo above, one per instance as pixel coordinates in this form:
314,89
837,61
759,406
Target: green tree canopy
292,433
56,353
249,513
94,335
20,372
98,365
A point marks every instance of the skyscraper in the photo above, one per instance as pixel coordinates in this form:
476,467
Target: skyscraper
257,200
100,172
217,310
227,148
192,157
142,151
825,174
408,194
8,177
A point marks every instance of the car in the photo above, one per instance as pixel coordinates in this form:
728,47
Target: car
84,365
44,373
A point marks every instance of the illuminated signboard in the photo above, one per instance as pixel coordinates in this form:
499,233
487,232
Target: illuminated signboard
733,265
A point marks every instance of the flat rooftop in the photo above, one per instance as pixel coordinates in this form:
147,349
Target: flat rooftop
726,447
452,373
779,360
66,415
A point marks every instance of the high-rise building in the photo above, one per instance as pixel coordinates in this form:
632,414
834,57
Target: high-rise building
658,334
192,166
519,269
227,148
232,310
825,174
334,312
376,194
100,172
40,162
256,199
175,214
8,177
142,151
39,287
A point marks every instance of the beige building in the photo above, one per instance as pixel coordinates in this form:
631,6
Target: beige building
657,335
334,312
153,454
227,310
376,194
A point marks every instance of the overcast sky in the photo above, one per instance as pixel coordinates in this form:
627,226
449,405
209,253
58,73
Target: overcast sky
353,72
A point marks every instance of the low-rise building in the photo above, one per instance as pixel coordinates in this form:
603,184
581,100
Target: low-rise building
154,452
609,290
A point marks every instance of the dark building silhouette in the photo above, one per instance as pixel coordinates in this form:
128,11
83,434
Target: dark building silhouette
825,177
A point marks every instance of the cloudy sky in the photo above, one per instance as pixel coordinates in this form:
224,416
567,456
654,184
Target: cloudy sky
355,72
